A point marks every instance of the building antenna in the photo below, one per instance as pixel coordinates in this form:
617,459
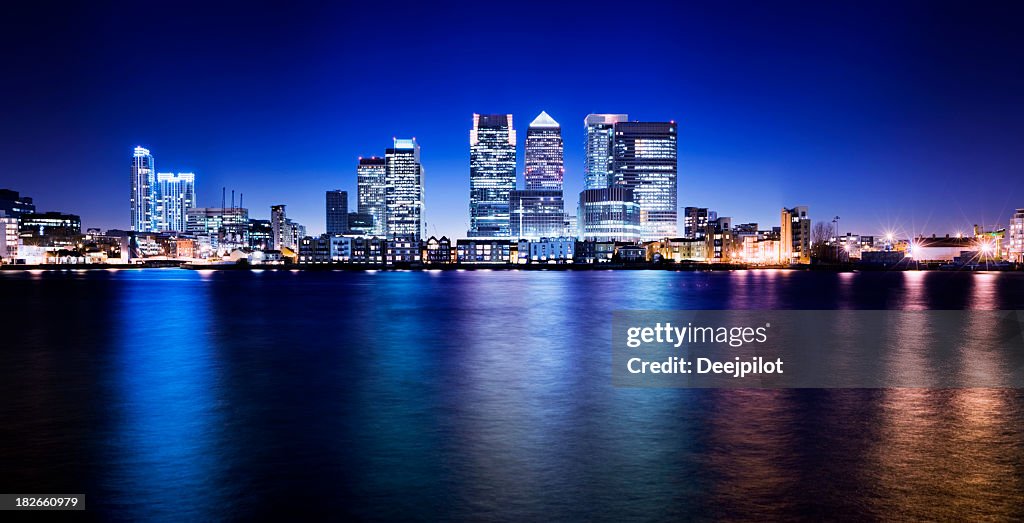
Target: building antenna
223,194
241,195
232,198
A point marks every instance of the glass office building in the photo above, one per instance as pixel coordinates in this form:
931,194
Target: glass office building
337,212
645,160
404,192
609,214
537,213
544,165
492,174
597,164
371,184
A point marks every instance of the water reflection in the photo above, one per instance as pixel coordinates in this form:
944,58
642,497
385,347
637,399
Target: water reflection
165,407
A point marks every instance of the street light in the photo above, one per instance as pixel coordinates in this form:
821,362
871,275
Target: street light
835,227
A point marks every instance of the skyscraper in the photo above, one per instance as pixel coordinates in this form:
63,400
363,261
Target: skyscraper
539,211
492,174
597,165
371,180
337,212
645,160
544,165
404,191
143,180
175,195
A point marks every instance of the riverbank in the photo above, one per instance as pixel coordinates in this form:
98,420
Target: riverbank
655,266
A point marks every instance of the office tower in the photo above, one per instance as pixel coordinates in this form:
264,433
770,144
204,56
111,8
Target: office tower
143,218
537,213
361,223
492,174
645,161
175,195
279,235
1015,246
51,228
337,212
695,222
404,193
372,188
544,167
218,230
795,235
261,235
14,204
609,214
597,165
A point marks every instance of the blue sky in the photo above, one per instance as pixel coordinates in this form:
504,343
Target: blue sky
890,115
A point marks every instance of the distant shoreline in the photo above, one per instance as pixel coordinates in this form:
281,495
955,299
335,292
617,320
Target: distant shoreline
347,267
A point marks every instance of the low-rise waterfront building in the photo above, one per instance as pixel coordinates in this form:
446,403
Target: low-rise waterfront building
438,251
484,250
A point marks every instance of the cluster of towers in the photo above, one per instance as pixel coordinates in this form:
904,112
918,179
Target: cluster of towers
630,178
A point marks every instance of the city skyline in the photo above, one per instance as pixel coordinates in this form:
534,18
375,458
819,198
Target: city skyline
907,128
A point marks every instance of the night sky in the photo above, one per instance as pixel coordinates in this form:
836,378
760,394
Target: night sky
890,115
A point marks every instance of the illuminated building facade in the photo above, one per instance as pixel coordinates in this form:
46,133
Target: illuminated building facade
9,236
438,251
175,195
143,180
538,213
1015,236
218,230
484,251
609,214
404,191
492,175
597,165
544,163
371,181
695,222
261,235
645,160
795,235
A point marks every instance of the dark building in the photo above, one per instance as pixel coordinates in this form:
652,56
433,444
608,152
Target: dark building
369,250
13,204
337,212
315,249
360,223
52,228
438,251
695,222
261,235
589,251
